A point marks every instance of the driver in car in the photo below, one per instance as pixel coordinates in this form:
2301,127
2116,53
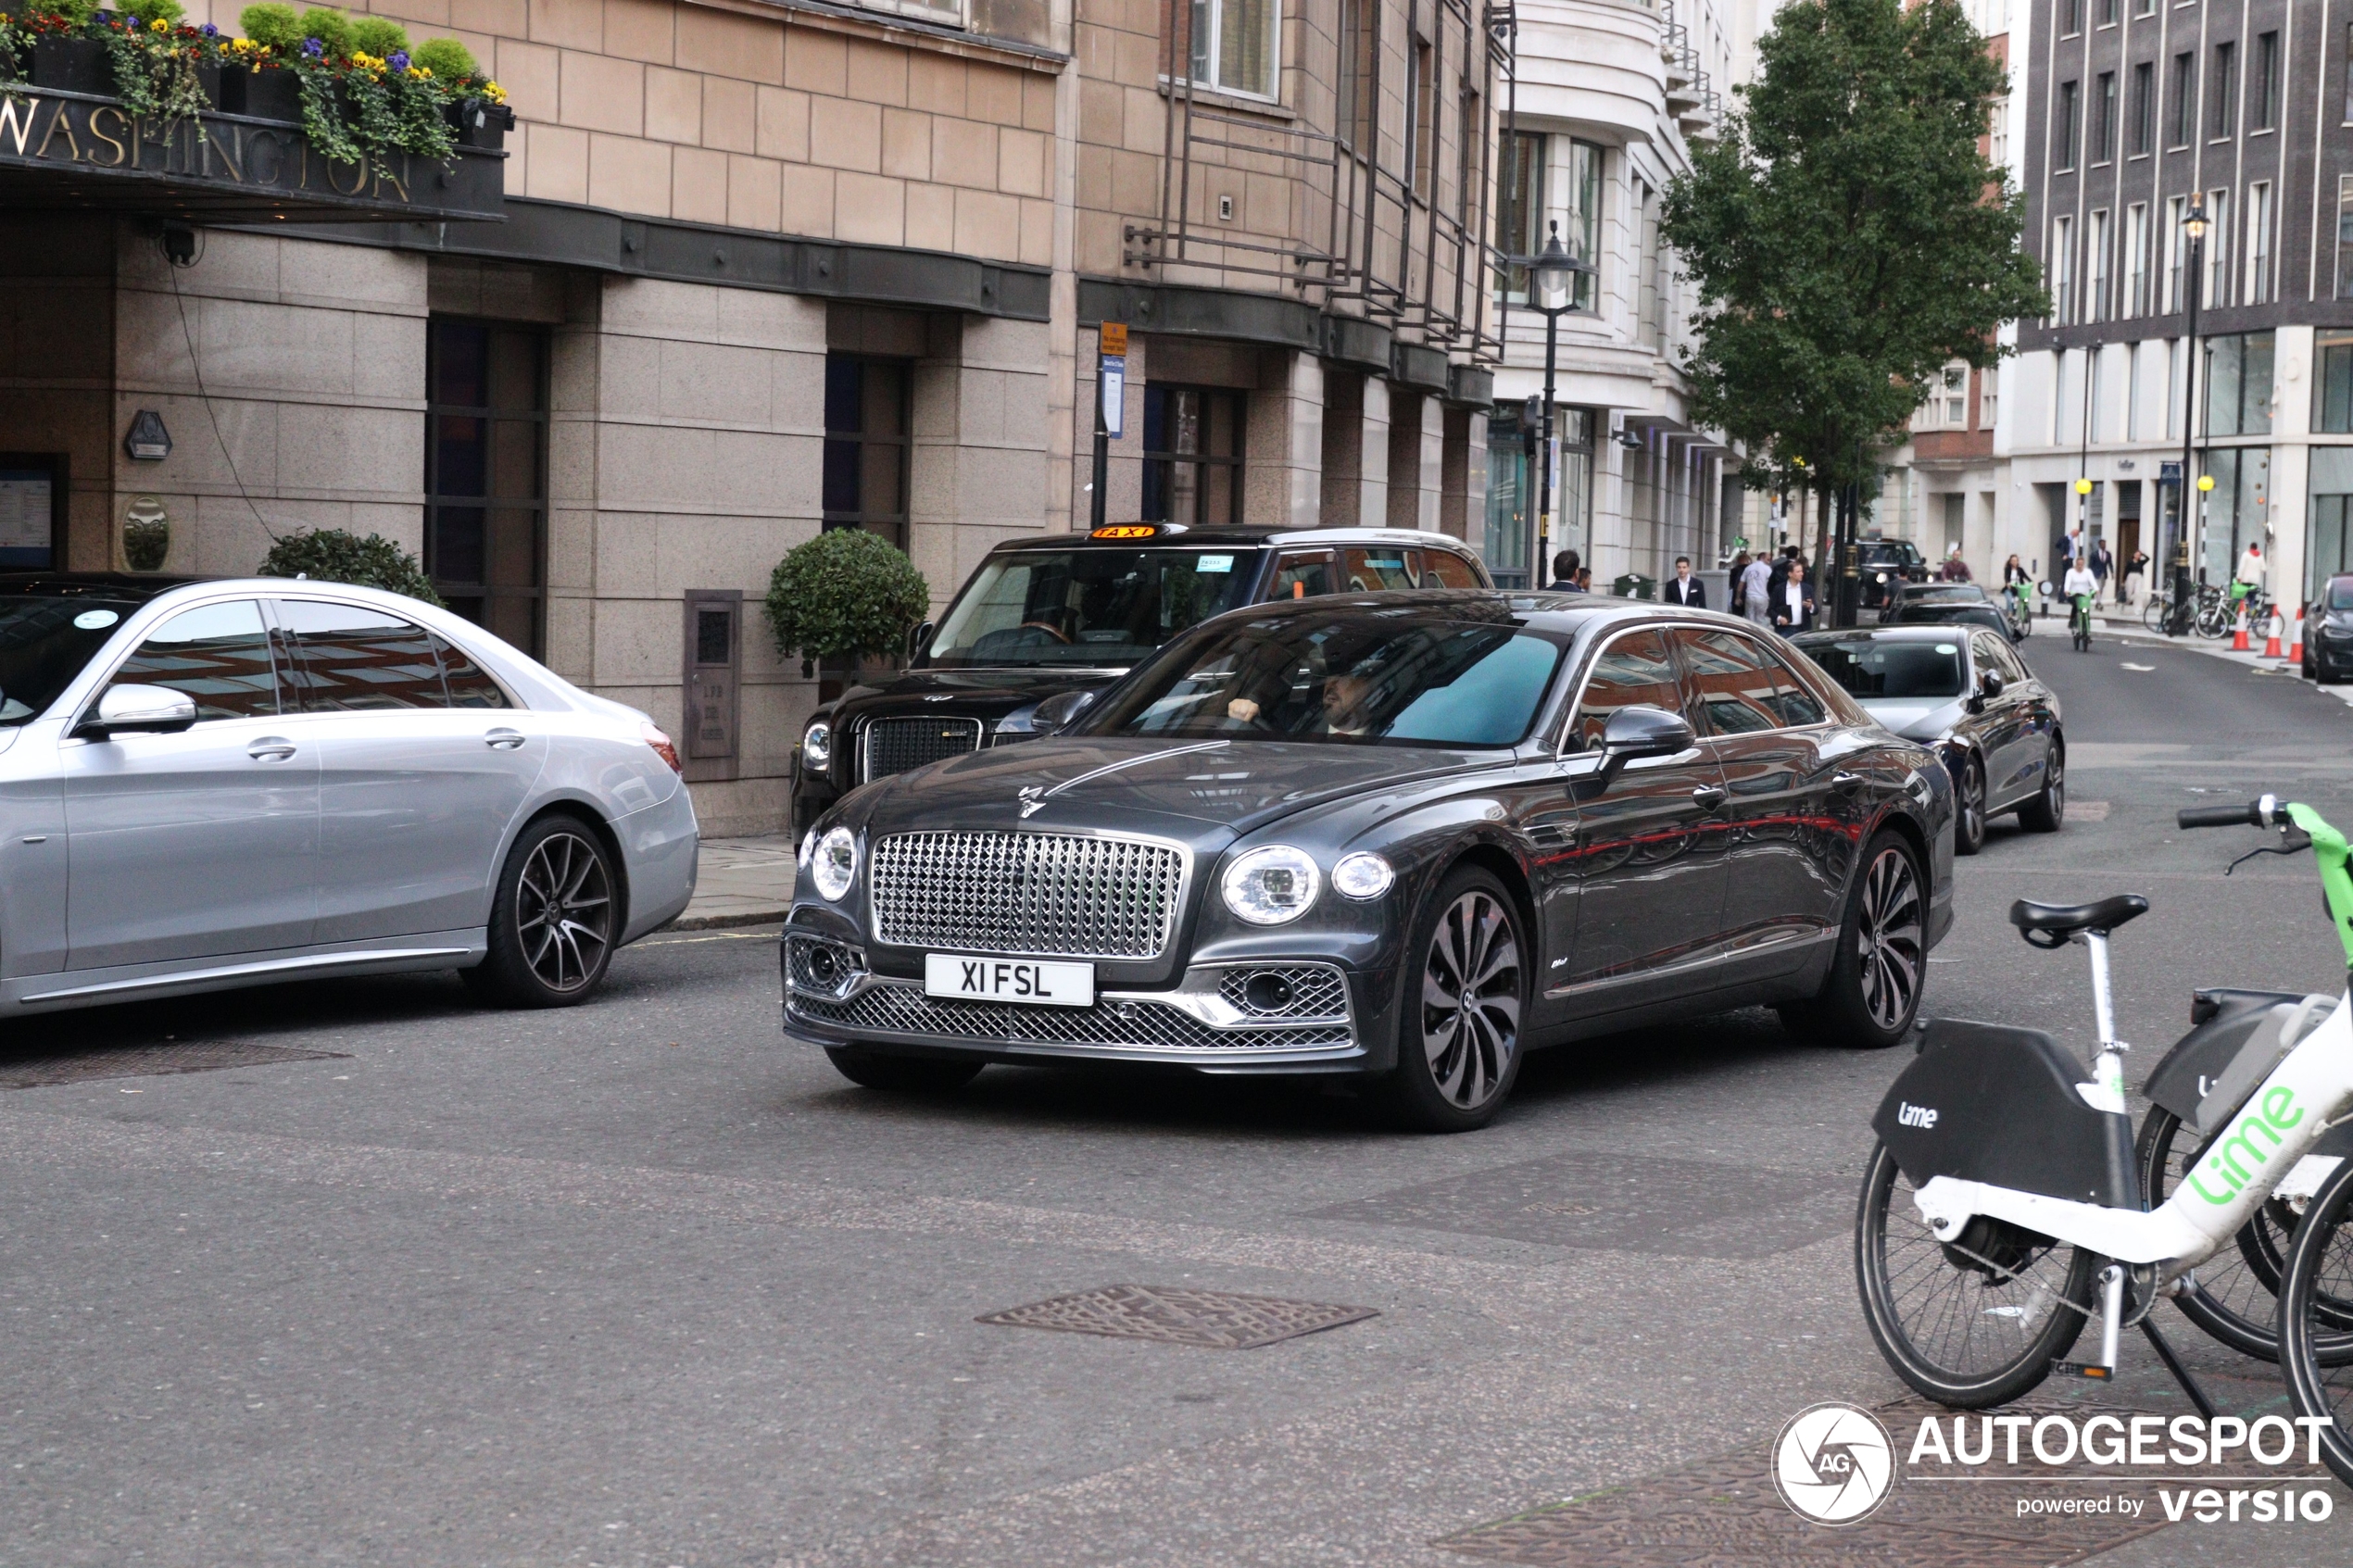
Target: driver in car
1347,703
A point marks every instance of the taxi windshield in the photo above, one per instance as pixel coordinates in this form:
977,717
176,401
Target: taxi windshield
1090,607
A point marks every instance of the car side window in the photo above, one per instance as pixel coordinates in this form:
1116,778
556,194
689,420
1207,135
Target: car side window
1982,653
1732,680
350,659
1634,671
2006,657
1303,576
470,685
1444,569
1795,702
1370,572
218,655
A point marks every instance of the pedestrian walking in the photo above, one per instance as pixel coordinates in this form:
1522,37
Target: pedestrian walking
2127,588
1756,581
1739,605
1793,602
1685,589
2103,566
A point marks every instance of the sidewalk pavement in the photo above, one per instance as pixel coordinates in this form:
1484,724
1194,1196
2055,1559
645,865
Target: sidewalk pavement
741,881
2130,631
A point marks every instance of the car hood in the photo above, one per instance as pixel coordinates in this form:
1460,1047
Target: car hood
1921,718
969,691
1079,781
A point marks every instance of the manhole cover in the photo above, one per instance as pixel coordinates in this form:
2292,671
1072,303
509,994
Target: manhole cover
149,1061
1210,1318
1726,1510
1674,1207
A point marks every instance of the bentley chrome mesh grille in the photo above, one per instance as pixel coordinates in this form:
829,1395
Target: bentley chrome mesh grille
1057,895
1314,991
899,745
902,1008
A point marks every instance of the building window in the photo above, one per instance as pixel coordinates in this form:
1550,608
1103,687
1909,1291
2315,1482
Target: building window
1510,498
2095,266
1520,207
2332,382
2144,107
2062,270
2238,384
866,425
2184,94
2345,236
1421,122
1192,455
1998,142
1355,77
2222,105
2173,251
2104,133
2258,244
2348,73
1988,402
2071,15
2108,13
2267,81
1583,229
2063,132
1234,46
486,474
2136,260
2218,250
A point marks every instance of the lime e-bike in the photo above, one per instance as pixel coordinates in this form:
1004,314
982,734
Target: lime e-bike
2007,1204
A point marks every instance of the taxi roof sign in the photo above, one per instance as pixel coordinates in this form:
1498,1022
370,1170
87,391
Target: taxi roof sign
1125,531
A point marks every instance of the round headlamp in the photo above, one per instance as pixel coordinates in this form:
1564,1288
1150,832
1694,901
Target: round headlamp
1270,885
833,863
1362,875
817,744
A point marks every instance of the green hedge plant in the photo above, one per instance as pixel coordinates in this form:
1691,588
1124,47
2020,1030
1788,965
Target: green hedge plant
336,554
845,594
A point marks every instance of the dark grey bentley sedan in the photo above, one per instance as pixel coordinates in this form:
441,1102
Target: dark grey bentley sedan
1407,836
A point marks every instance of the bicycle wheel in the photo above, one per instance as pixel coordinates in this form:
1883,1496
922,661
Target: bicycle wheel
2314,1294
2233,1300
2153,615
1972,1324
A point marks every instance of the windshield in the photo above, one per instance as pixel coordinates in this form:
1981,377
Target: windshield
1945,593
1903,670
2341,593
1970,614
44,645
1087,607
1349,676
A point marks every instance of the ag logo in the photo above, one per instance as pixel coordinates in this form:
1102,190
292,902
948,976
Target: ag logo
1834,1464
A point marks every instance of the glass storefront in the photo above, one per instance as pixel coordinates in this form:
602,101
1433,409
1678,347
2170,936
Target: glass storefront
2328,544
1513,498
2235,508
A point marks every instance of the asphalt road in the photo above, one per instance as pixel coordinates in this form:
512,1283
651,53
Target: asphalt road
636,1284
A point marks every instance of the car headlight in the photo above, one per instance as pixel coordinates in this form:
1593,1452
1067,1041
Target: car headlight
817,744
808,847
833,863
1363,875
1271,885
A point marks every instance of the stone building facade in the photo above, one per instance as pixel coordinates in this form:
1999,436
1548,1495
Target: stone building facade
773,266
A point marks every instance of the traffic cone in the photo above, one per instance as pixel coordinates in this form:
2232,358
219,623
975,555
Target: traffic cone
2272,636
2239,643
2295,649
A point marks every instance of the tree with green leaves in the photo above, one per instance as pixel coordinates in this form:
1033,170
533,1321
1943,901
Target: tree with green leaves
1846,238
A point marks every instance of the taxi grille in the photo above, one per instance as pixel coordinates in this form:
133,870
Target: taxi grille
899,745
1052,895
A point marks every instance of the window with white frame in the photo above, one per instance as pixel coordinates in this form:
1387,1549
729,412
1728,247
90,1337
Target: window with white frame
2136,260
2173,295
2258,244
2218,250
1234,46
1988,400
2095,269
2062,272
1999,140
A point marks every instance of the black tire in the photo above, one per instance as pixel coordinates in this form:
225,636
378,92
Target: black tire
554,921
1462,996
1969,809
2010,1318
2315,1293
918,1075
1873,993
2045,810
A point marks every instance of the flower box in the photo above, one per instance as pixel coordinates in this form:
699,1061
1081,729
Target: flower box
480,123
73,65
264,94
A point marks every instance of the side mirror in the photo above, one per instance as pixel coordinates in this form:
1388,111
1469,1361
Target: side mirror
1641,730
918,637
1057,711
154,709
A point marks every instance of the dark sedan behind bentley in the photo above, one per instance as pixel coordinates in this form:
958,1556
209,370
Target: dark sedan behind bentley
1404,836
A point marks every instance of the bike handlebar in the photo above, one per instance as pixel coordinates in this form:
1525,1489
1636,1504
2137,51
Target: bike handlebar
2248,816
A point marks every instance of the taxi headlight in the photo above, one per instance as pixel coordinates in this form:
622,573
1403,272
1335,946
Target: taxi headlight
817,745
834,864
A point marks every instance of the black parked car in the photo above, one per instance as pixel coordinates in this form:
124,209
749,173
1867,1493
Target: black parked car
1044,618
1403,838
1950,604
1965,692
2328,632
1886,565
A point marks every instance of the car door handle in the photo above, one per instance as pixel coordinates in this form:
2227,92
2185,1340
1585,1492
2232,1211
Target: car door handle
1847,784
503,740
1710,797
270,748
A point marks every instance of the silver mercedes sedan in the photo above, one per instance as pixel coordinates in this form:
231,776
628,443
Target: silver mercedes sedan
221,782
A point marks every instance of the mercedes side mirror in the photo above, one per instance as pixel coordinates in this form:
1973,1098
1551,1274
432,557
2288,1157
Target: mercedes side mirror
1057,710
917,638
131,708
1641,731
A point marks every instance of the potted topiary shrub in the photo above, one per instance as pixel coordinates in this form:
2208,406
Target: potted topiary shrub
336,554
845,594
266,88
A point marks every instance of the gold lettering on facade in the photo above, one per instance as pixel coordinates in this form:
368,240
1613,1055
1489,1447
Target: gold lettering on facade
120,153
383,180
228,151
16,119
58,122
261,158
358,178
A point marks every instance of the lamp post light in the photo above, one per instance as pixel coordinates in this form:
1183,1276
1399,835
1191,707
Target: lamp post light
2177,623
1552,289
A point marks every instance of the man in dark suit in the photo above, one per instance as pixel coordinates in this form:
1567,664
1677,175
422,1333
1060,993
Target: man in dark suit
1685,589
1564,567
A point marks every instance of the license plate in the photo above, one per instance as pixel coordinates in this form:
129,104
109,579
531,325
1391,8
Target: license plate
1010,980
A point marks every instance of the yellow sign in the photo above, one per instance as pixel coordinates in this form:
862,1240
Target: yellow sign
1126,531
1114,337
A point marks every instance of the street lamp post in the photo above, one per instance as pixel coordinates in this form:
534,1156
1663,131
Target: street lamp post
2177,623
1552,288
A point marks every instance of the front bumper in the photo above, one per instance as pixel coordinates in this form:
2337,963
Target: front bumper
1208,1021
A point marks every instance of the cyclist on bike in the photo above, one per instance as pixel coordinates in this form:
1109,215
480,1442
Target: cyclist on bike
2249,576
2080,589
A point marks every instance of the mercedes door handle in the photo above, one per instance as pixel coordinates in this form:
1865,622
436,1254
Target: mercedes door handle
1710,797
503,740
270,748
1847,784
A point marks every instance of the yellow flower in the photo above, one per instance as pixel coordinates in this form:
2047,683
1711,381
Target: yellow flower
495,92
420,73
159,25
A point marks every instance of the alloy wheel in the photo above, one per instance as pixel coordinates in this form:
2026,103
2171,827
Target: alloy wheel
563,912
1470,1000
1972,804
1888,938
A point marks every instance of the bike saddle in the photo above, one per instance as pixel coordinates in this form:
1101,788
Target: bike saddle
2059,922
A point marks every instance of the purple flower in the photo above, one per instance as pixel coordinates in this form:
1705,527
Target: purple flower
210,31
313,48
399,61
